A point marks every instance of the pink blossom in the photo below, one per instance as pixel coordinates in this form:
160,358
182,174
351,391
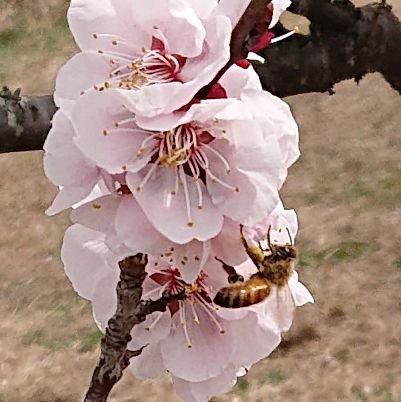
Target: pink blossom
190,169
162,53
201,346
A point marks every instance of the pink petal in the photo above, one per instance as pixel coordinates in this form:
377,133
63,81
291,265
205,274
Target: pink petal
234,9
117,17
254,341
256,174
81,72
204,390
227,245
156,327
84,257
279,6
148,364
104,299
115,149
277,119
211,351
169,213
237,79
172,21
64,164
99,214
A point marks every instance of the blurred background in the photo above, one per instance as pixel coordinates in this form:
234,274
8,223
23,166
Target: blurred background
346,189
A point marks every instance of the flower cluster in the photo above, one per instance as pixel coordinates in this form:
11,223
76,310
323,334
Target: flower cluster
150,163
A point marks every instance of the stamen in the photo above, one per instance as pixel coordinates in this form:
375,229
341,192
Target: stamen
196,318
154,323
219,155
285,36
221,182
148,175
205,305
186,192
184,323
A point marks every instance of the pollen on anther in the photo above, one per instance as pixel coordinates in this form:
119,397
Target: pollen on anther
138,189
96,206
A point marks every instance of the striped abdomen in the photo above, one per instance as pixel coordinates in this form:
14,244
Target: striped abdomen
243,294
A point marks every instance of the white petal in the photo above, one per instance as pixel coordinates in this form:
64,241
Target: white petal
211,350
279,6
116,149
148,364
87,17
169,213
84,257
81,72
204,390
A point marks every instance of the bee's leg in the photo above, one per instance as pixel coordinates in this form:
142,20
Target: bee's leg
233,277
255,253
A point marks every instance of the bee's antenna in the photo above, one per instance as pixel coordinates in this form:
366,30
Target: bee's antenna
268,237
289,235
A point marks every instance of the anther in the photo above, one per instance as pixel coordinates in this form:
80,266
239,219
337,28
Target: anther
96,206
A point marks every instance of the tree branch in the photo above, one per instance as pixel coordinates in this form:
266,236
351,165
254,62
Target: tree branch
24,121
345,43
131,311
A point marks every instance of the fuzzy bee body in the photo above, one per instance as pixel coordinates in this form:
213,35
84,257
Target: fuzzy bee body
275,267
244,294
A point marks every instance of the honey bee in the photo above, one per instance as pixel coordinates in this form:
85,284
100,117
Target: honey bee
274,265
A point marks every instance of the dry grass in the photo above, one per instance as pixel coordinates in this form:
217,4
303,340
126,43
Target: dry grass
346,188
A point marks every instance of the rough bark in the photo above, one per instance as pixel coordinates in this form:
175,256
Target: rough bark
345,42
131,311
24,121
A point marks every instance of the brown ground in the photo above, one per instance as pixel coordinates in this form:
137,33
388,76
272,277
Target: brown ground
346,189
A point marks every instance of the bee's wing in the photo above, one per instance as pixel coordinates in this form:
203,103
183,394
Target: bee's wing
282,307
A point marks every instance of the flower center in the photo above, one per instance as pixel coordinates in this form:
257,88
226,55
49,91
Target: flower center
154,66
187,149
196,298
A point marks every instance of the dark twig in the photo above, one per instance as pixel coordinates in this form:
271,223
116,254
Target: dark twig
131,311
345,43
24,122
